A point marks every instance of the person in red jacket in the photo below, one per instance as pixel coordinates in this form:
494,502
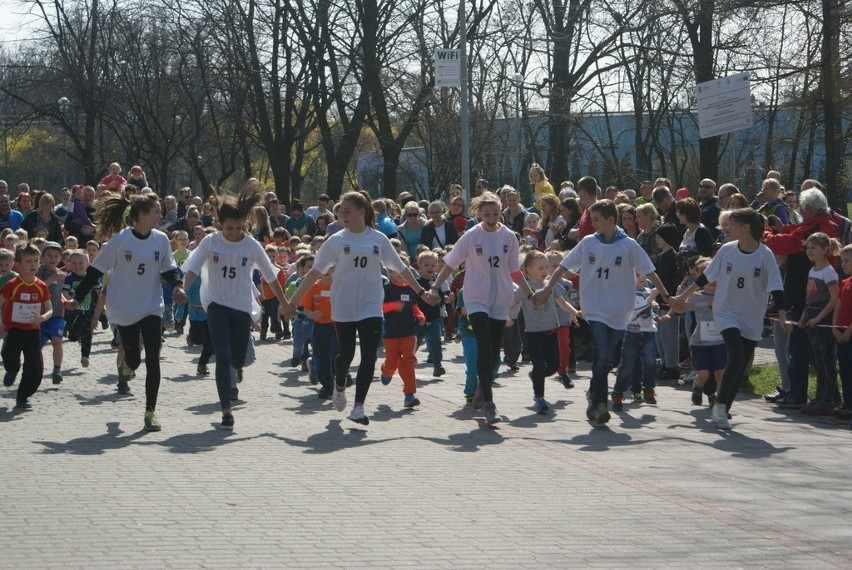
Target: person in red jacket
789,241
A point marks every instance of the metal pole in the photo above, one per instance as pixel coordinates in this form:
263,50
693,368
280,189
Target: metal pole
465,121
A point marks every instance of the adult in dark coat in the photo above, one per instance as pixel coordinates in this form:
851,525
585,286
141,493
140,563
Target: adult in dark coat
437,232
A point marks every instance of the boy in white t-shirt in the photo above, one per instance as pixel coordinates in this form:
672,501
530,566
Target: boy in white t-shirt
606,262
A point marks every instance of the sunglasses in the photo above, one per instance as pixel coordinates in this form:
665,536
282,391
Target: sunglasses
705,186
413,215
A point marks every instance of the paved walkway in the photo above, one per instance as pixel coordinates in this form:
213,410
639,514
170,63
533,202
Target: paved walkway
297,485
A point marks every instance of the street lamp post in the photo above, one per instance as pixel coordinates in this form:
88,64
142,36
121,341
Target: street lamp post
64,103
519,84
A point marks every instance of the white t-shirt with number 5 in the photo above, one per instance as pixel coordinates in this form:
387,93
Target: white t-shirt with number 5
134,267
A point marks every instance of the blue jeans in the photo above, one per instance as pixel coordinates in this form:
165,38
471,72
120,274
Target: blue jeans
229,330
324,343
270,320
668,342
640,349
433,333
303,329
604,341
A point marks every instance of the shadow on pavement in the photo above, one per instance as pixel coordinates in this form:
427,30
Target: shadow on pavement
471,441
8,414
112,397
95,445
200,442
334,438
307,404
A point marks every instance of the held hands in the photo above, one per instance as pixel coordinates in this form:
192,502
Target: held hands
179,295
540,297
431,297
72,305
287,310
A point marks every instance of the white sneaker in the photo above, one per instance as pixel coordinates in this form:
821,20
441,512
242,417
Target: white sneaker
358,416
689,378
720,416
339,399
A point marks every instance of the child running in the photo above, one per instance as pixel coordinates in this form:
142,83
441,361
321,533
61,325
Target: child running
25,305
80,325
53,329
225,261
606,262
402,316
137,259
746,273
542,324
357,253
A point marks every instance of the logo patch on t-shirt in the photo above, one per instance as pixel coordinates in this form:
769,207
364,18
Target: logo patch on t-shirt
375,250
591,259
346,250
215,257
128,256
618,260
757,271
156,256
243,261
478,249
505,248
729,267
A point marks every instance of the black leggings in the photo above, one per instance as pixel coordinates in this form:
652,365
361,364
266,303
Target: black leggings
150,329
26,342
740,352
369,332
488,333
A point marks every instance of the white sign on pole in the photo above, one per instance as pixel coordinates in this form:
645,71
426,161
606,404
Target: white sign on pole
447,68
724,105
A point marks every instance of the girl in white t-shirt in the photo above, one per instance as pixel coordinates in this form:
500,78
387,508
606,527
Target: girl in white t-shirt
225,260
357,255
746,273
136,258
489,251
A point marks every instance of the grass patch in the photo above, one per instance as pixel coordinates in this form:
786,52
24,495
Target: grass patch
764,379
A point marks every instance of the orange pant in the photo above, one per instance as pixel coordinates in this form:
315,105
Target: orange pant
399,356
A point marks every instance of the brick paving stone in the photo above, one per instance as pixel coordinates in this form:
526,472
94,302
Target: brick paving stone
297,485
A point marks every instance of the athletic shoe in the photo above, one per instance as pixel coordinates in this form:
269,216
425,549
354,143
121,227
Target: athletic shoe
227,422
151,422
468,399
339,399
638,397
23,406
294,362
598,414
513,366
712,399
386,380
697,396
720,416
8,379
650,396
819,408
685,364
325,393
358,416
123,386
84,362
541,406
617,402
491,416
235,394
566,381
203,370
411,401
774,397
125,371
477,399
312,375
690,378
438,372
188,341
57,378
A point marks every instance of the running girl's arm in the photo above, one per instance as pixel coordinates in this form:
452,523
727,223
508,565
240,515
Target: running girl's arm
658,285
85,286
421,292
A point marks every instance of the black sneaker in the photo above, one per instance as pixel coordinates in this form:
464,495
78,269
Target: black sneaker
23,406
280,335
779,393
650,396
439,371
57,378
566,381
123,386
697,396
227,422
325,393
262,336
235,394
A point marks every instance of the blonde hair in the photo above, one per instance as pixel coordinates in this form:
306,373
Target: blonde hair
830,244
